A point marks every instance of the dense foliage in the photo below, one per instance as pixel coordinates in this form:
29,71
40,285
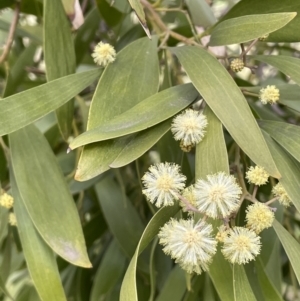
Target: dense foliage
149,150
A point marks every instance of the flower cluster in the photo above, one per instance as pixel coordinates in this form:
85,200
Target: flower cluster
237,65
6,200
257,175
270,94
104,54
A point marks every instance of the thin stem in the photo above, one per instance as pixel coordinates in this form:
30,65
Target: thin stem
254,191
245,51
250,94
188,205
272,201
239,170
138,173
5,148
11,33
251,199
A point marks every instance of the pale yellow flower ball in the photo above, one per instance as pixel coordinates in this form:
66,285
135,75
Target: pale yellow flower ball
104,54
283,198
257,175
6,200
270,94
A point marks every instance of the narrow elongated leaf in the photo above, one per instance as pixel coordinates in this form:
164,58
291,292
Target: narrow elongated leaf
175,286
40,259
201,13
268,289
120,88
26,107
46,195
247,28
290,245
286,64
109,271
147,113
211,152
140,143
228,103
128,289
287,135
288,33
122,218
59,55
241,286
289,169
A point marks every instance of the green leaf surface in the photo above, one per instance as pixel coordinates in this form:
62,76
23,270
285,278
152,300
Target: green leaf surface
59,55
289,33
145,114
128,289
111,268
46,195
111,15
247,28
174,287
289,169
226,100
241,285
201,13
121,87
211,152
40,259
269,291
139,144
26,107
122,218
286,64
290,245
287,135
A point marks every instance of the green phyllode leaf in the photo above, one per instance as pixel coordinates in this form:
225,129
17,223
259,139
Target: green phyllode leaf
128,289
290,245
286,64
226,100
40,259
287,135
121,87
288,33
145,114
26,107
59,55
246,28
46,195
241,286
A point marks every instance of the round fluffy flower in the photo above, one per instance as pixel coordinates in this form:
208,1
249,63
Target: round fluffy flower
6,200
241,245
283,198
12,219
163,182
188,127
269,94
222,234
192,246
104,54
257,175
219,195
237,65
259,217
190,195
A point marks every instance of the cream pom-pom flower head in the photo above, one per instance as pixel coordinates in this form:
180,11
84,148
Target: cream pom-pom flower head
6,200
163,183
189,128
269,94
241,245
259,217
191,245
283,198
257,175
218,195
104,54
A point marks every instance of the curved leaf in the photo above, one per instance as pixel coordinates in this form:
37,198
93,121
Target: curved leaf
128,289
286,64
228,103
59,56
289,33
139,144
290,245
289,169
40,259
241,285
120,88
147,113
46,195
247,28
201,13
287,135
26,107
